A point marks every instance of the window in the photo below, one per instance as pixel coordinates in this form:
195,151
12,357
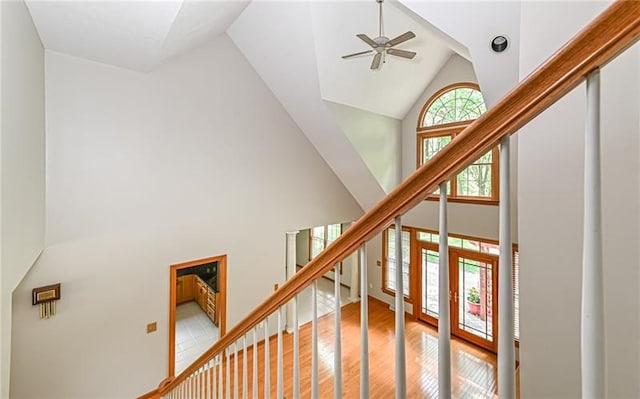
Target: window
446,115
389,256
321,237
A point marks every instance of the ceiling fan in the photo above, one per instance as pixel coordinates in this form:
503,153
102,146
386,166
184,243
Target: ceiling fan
382,45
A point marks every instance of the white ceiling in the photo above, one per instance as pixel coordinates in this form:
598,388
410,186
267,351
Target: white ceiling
393,89
137,35
141,35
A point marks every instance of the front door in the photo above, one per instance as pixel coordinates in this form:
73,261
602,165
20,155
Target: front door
474,313
472,293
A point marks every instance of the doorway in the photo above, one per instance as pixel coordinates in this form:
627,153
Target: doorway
199,288
472,293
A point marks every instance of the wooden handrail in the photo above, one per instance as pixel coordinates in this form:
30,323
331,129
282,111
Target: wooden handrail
616,29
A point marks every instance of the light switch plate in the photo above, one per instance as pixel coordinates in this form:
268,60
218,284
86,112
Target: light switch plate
151,327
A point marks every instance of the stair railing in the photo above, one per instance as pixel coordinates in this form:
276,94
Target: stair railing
215,374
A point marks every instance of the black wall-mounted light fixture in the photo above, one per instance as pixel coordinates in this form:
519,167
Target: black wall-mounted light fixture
499,44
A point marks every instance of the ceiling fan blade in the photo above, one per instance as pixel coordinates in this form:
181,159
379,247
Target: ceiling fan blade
356,54
375,64
367,40
401,39
401,53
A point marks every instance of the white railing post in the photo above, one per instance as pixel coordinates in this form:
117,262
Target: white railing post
592,342
444,298
235,370
314,340
296,351
279,359
255,364
364,323
228,373
245,367
400,367
267,360
355,277
506,338
337,353
220,378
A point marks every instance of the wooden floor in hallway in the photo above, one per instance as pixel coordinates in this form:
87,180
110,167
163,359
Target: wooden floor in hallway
473,369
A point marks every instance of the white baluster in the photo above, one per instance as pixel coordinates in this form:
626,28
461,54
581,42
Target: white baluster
506,339
280,355
267,359
337,353
592,342
364,324
401,380
245,366
214,382
220,379
235,370
228,373
314,341
205,381
209,381
198,384
296,351
444,294
255,364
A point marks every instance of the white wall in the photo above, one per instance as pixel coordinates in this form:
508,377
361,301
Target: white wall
469,219
474,24
550,216
195,159
377,138
297,87
22,169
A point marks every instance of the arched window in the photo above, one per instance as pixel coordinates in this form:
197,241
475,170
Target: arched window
445,115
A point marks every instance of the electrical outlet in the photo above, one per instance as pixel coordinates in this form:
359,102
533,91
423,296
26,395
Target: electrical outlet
378,262
151,327
370,285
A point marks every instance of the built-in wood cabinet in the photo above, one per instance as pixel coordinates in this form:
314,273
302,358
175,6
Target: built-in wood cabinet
212,306
185,289
190,287
206,298
202,292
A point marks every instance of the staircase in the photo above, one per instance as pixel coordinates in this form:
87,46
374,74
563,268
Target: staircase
216,374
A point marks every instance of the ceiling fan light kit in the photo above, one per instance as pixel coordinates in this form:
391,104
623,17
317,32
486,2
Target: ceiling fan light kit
382,45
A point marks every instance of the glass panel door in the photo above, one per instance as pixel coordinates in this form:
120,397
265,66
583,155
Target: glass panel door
475,315
429,276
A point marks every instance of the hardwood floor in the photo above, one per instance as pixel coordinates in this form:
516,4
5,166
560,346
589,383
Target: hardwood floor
473,369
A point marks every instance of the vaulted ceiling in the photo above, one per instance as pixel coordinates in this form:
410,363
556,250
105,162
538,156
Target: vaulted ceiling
141,35
296,47
137,35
